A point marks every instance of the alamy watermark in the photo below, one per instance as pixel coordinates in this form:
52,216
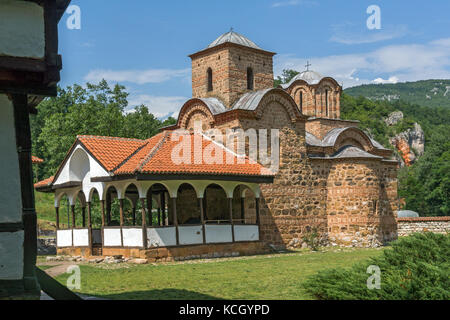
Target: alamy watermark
74,280
374,20
374,281
235,146
74,20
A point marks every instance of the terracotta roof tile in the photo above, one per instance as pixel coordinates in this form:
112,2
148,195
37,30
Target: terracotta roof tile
36,160
44,183
111,151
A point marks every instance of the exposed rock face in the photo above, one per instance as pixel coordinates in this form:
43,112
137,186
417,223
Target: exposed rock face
393,118
410,143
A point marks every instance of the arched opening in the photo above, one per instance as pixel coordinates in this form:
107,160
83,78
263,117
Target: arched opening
159,206
215,205
250,79
96,223
79,165
244,205
326,102
210,79
131,212
112,207
64,213
188,209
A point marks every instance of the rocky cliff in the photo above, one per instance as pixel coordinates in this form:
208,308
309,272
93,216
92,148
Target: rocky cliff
410,143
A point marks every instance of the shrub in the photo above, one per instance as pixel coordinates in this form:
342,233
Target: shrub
416,267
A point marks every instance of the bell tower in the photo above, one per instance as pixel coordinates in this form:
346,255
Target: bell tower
229,67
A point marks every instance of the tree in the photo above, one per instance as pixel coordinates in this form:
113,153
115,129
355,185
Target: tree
286,76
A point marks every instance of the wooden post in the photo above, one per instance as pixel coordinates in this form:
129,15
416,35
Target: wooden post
144,224
202,219
57,217
73,215
90,225
258,219
243,209
230,207
134,215
159,216
103,212
175,219
83,216
163,206
149,207
108,207
121,211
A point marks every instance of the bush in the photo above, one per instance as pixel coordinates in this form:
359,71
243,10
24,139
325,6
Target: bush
415,268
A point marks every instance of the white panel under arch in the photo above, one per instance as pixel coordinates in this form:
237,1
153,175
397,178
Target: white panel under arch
246,233
132,237
80,237
161,237
190,234
64,238
218,233
111,237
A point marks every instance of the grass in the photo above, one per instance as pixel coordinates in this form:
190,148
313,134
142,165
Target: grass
277,276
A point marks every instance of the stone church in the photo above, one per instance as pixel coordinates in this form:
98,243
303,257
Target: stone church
333,179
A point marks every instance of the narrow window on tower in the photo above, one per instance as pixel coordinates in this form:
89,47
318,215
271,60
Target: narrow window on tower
249,78
301,101
326,102
210,80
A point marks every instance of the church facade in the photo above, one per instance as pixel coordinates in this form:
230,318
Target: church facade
332,179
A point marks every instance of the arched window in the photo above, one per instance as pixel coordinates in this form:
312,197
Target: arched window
249,78
326,102
300,104
210,79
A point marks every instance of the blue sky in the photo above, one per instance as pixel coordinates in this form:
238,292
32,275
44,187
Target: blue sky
144,44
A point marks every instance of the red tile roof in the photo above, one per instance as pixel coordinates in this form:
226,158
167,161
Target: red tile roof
122,156
44,183
36,160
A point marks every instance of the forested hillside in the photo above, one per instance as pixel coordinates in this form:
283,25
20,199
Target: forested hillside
429,93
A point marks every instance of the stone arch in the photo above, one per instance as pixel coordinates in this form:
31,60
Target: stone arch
195,109
355,137
303,97
215,203
284,99
244,204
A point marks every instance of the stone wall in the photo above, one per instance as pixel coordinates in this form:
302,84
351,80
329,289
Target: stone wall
407,226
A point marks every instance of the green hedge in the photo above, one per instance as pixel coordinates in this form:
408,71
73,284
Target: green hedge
414,268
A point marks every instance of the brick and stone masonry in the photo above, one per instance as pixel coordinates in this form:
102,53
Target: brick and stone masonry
408,226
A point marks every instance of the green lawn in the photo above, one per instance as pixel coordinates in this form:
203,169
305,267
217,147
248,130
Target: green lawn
260,277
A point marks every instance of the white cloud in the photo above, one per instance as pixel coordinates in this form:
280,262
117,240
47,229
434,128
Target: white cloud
293,3
345,33
392,79
160,106
407,62
137,76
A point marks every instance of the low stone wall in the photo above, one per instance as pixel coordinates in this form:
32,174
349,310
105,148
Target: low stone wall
203,251
407,226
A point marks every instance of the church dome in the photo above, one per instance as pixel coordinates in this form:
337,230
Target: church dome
309,76
234,37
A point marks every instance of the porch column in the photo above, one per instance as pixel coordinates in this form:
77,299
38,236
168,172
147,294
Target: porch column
108,207
230,207
258,219
159,216
149,207
121,211
134,215
144,224
175,219
73,215
89,211
83,215
103,212
163,207
57,217
202,219
243,209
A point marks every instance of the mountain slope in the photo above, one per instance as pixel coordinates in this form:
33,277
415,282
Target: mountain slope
430,93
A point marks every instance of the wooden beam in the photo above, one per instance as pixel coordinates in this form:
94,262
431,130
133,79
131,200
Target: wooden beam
175,219
230,208
72,207
202,219
144,223
57,217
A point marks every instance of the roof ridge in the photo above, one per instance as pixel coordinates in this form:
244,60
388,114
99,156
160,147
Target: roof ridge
131,155
110,138
152,152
